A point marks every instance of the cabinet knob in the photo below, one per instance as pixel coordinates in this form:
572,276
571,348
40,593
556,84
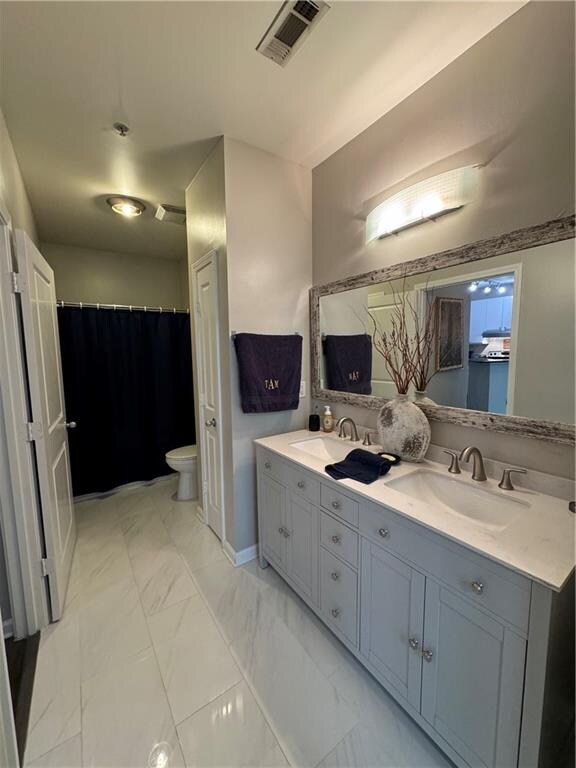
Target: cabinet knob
336,539
301,484
413,643
210,423
335,505
478,587
427,655
335,612
384,532
286,533
267,465
334,575
281,530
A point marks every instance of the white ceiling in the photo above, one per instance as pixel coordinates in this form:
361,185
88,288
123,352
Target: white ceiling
182,73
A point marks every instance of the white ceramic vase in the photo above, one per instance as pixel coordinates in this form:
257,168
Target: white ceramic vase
404,429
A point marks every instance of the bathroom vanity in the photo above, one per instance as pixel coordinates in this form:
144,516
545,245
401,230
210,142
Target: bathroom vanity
456,596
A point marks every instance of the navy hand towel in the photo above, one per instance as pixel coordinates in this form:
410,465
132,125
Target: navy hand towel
349,363
359,465
269,370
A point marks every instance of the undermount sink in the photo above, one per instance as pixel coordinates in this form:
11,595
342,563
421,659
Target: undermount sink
325,448
480,505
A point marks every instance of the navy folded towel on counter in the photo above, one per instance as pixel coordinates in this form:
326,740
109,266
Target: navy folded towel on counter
349,363
364,466
269,370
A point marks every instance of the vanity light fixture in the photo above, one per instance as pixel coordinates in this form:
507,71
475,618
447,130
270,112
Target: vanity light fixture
488,288
423,201
473,287
501,289
126,206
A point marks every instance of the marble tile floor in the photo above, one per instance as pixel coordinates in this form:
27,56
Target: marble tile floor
167,656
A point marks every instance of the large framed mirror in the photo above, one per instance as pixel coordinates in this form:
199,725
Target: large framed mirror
501,347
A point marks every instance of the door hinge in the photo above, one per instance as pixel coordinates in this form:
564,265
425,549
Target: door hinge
32,431
17,284
198,310
46,566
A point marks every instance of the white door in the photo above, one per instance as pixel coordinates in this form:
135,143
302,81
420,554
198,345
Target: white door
49,429
206,327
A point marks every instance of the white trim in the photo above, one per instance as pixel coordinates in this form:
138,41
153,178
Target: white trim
515,269
242,557
210,258
19,505
7,628
8,746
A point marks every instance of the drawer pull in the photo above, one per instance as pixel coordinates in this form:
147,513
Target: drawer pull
335,505
336,539
478,587
427,655
267,465
301,484
413,643
334,575
335,612
384,532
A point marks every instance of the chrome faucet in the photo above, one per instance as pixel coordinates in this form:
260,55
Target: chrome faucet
353,431
478,471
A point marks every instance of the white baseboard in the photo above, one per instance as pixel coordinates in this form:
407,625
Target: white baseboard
7,628
242,557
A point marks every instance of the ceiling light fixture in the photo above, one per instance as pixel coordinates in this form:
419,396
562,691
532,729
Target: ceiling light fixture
126,206
425,200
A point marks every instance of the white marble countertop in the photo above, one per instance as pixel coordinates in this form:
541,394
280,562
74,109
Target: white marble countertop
538,543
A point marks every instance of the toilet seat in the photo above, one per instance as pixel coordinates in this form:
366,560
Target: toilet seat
185,453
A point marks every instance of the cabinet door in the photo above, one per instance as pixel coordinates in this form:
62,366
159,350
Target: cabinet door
391,620
272,512
302,546
472,681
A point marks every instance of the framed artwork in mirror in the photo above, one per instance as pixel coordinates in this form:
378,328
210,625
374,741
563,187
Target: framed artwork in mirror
449,334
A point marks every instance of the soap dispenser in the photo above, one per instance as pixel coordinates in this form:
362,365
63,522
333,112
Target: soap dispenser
327,419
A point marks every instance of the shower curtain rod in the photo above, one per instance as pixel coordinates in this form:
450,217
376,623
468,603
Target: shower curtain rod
97,305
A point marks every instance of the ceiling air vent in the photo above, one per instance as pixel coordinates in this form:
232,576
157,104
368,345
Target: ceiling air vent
289,28
171,213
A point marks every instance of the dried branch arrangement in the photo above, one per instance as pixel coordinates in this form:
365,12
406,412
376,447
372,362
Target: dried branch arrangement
407,347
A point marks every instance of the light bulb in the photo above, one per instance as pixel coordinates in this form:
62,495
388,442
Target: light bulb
501,289
473,287
488,289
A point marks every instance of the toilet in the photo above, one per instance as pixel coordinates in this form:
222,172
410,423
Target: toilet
183,460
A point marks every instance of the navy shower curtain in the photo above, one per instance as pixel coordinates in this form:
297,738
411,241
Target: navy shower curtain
128,385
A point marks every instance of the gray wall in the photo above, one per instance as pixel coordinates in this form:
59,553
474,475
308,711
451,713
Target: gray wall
508,103
91,275
268,224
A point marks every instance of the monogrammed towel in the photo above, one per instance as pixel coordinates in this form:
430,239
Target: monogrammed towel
349,363
269,369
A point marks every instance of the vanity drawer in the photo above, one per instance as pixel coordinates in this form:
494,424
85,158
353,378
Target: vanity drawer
304,484
488,584
339,539
339,596
339,504
272,465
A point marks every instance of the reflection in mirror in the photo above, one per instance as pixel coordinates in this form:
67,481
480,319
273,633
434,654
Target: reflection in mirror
503,334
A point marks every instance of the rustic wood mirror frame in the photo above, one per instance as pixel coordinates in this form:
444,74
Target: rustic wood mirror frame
518,240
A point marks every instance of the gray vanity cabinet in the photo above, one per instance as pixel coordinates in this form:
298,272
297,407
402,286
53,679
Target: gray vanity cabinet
289,532
392,618
272,497
472,679
302,546
459,640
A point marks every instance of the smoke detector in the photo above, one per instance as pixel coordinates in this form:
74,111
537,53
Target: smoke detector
290,26
170,213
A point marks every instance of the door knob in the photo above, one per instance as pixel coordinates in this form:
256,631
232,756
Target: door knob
70,424
211,422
